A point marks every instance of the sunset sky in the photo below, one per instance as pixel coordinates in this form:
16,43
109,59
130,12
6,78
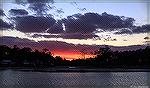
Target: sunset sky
32,28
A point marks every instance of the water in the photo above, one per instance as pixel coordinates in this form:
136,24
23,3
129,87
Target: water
18,79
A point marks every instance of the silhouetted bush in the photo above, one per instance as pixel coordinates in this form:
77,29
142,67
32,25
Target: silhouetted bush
105,58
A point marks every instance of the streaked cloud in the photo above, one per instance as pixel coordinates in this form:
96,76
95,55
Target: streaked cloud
4,25
16,12
68,36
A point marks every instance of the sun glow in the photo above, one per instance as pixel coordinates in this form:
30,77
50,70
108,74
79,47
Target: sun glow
72,55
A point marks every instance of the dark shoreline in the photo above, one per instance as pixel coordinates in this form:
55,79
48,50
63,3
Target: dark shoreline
76,69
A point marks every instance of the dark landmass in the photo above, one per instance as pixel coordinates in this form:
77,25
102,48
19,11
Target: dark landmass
106,60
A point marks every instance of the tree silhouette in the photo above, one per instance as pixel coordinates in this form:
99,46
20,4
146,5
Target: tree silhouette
105,58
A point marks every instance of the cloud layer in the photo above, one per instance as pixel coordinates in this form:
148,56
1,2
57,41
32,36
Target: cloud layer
56,28
18,12
4,25
89,22
76,26
58,45
1,12
76,23
135,29
33,24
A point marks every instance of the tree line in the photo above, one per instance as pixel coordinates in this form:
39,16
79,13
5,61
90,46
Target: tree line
104,58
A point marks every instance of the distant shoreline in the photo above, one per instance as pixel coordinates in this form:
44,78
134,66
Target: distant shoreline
76,69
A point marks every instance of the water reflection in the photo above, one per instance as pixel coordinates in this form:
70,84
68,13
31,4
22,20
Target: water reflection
148,79
17,79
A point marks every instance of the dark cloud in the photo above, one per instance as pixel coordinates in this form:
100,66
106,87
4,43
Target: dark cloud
141,29
73,24
56,28
107,20
20,42
4,25
135,29
34,1
146,38
40,1
18,12
2,12
78,26
40,7
14,40
89,22
33,24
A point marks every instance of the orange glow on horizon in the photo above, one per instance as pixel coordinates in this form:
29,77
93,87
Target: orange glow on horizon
72,55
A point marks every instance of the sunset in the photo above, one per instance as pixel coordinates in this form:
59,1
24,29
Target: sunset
80,39
72,55
14,13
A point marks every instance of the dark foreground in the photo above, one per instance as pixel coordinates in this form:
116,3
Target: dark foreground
104,58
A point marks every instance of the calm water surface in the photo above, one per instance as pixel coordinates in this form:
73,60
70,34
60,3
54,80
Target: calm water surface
18,79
